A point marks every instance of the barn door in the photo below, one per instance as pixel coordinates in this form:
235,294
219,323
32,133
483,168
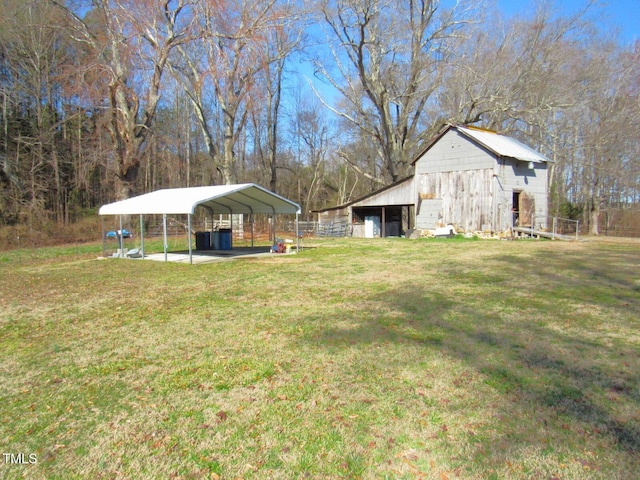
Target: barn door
526,209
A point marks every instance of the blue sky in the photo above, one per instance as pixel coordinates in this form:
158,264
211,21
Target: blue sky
622,14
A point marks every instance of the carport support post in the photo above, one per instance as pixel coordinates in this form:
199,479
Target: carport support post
253,222
273,229
121,239
297,233
141,236
104,240
189,239
164,234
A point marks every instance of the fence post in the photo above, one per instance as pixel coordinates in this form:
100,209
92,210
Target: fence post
533,223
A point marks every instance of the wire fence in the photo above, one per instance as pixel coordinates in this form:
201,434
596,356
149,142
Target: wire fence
565,227
615,223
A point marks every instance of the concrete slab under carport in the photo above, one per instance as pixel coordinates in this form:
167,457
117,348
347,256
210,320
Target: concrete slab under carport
211,256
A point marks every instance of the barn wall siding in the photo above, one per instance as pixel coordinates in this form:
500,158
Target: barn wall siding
334,215
516,176
429,213
467,198
454,152
401,194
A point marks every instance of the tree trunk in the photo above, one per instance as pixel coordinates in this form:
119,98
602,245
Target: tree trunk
595,216
227,169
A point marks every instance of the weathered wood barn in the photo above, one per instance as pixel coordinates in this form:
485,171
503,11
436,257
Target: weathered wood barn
471,178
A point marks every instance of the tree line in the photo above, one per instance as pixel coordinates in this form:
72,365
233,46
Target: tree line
319,101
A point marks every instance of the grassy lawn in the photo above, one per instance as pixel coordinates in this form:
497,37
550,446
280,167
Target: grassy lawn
354,359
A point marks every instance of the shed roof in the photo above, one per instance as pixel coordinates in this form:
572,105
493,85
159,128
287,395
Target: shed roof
242,198
367,196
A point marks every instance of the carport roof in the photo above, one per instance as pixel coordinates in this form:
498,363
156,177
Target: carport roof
242,198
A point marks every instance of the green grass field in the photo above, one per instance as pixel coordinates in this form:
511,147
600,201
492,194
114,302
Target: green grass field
386,358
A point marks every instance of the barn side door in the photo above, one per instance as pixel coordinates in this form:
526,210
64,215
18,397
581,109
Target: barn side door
526,208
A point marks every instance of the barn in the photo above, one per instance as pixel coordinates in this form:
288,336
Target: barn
474,179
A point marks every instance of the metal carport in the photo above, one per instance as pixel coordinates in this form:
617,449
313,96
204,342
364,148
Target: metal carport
246,198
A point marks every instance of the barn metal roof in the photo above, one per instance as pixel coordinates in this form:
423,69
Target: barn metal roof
242,198
502,145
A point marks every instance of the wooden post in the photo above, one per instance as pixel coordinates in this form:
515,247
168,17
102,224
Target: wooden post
383,219
533,221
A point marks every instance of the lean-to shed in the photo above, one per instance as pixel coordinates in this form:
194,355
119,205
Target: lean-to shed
471,178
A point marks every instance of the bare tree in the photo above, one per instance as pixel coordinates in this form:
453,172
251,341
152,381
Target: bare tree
281,41
241,43
313,134
605,165
511,76
34,59
131,42
388,58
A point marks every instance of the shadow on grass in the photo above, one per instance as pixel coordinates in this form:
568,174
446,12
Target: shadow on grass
538,355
